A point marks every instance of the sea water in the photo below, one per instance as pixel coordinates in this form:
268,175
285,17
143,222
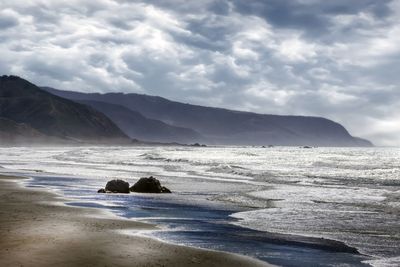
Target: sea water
249,200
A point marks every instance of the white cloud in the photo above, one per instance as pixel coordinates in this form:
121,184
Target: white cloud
295,49
306,61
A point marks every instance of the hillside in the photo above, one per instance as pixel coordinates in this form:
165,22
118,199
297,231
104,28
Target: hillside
137,126
50,115
222,126
12,133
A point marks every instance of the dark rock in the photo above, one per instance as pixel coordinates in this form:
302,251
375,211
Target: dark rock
117,186
165,190
198,145
102,190
149,185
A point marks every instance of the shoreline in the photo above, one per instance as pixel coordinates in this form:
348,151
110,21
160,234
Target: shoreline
36,230
208,188
291,247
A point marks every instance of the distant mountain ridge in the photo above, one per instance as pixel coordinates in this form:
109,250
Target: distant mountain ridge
229,127
26,107
137,126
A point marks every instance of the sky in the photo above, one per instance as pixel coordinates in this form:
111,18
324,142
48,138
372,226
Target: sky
335,59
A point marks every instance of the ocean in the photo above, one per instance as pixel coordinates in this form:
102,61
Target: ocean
291,206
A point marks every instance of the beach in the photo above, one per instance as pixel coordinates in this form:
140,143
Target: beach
37,229
286,206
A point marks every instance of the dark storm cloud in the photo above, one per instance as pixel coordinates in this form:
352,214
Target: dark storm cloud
312,17
284,14
337,59
7,21
221,7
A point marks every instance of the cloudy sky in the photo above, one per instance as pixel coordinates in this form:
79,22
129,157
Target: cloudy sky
338,59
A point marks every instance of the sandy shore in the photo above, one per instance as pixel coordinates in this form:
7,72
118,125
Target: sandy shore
37,230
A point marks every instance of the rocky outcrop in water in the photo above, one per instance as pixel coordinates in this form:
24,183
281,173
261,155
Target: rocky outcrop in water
149,185
144,185
198,145
116,186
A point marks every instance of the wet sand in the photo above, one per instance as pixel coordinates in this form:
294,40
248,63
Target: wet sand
36,229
